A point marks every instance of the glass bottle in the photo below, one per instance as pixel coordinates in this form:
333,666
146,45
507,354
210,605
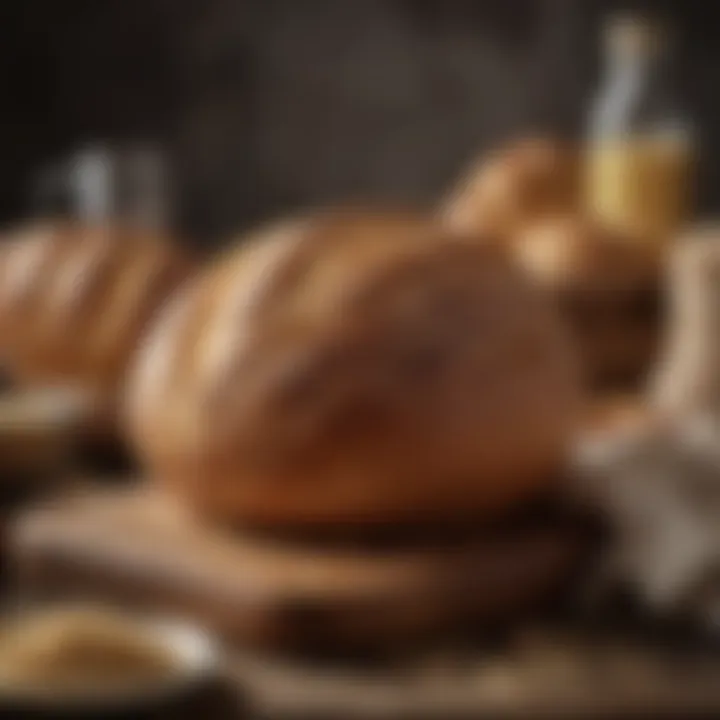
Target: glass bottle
640,143
146,201
92,185
126,185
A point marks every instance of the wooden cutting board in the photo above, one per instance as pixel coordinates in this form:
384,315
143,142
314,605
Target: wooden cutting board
133,546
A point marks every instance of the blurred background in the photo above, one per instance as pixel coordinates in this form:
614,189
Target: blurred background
265,106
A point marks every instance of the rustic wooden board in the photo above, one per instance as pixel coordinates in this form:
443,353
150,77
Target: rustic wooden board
134,546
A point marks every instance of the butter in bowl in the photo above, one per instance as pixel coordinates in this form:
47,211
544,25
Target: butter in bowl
94,662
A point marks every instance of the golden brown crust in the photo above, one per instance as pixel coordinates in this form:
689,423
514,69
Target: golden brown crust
75,300
513,187
355,367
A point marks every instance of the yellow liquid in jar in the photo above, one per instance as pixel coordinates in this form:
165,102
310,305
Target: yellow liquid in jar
640,186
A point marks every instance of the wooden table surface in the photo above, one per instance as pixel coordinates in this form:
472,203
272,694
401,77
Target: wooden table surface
547,677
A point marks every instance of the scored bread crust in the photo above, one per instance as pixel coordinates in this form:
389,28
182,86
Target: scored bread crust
74,301
355,367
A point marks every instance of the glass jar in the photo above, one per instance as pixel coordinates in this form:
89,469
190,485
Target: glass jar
127,185
640,143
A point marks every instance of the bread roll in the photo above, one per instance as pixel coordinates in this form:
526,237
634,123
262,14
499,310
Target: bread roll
75,300
514,187
355,368
609,290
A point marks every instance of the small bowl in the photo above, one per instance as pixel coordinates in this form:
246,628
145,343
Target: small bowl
189,691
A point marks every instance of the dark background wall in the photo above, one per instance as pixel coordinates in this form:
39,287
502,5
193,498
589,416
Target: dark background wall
266,106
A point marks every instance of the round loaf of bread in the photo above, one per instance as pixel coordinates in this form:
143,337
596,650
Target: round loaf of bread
608,288
74,301
355,368
513,187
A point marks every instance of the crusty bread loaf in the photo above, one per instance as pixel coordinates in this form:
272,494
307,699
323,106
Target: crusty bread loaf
506,191
355,368
608,288
75,300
